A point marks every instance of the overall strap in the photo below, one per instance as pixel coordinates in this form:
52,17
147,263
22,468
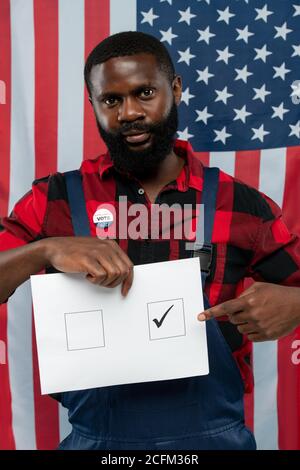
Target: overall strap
203,245
209,200
77,205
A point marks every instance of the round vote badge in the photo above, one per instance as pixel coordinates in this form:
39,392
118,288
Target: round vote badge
103,218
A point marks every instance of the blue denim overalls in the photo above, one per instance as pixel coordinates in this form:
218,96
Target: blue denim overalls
193,413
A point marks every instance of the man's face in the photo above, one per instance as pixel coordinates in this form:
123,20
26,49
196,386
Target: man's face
136,112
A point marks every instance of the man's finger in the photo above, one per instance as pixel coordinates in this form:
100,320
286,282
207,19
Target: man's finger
226,308
123,256
257,337
127,283
95,272
123,267
240,318
247,328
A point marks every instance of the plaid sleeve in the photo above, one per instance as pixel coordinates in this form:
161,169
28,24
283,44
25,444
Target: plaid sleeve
276,251
25,223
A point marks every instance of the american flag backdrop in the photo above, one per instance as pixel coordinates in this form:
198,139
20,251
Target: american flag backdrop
240,64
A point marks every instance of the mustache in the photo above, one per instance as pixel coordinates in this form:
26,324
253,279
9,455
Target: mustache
136,126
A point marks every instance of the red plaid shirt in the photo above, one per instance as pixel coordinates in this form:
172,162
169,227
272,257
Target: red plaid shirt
249,237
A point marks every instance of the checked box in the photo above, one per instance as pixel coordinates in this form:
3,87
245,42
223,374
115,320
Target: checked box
166,319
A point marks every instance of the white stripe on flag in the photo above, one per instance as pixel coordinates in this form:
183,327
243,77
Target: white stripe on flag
64,426
271,182
265,395
71,84
223,160
122,16
272,173
20,367
22,99
21,176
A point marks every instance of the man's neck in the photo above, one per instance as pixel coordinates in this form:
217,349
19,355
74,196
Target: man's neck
168,170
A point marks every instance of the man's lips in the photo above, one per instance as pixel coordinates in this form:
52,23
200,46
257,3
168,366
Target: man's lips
137,138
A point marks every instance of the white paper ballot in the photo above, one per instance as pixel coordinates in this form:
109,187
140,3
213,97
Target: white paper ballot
90,336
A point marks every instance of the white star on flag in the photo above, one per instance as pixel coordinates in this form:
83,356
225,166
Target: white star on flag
186,96
205,35
186,16
244,34
149,17
295,130
184,135
225,15
168,36
241,114
282,31
261,93
221,135
185,56
224,55
262,53
281,71
296,51
223,95
204,75
243,74
263,13
297,10
279,111
203,115
259,133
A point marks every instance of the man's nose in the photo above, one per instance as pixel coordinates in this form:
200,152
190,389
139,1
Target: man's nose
130,110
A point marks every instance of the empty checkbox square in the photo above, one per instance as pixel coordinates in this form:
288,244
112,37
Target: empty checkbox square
84,330
166,319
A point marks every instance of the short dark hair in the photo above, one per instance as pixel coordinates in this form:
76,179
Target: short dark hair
125,44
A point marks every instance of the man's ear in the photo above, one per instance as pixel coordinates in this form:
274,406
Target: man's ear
177,89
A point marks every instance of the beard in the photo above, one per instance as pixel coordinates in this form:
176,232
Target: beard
142,163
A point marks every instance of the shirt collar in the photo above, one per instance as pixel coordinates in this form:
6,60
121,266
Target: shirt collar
191,174
105,164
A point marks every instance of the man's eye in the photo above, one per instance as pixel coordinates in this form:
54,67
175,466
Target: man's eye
146,93
110,101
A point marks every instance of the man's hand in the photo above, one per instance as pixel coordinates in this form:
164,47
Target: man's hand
262,312
103,261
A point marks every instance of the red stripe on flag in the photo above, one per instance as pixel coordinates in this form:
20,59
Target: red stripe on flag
46,117
6,426
288,394
247,166
46,85
96,29
289,372
7,441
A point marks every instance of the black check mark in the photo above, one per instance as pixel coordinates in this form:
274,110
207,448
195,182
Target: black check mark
160,322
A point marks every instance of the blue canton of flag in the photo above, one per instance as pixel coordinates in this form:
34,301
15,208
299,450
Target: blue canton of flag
240,64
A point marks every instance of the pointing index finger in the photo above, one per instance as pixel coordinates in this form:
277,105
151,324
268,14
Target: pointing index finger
230,307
